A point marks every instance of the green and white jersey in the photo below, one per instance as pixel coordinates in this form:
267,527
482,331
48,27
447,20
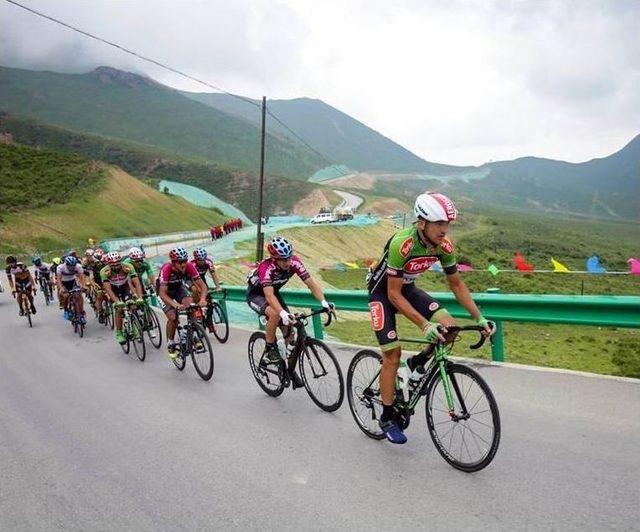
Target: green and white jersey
407,257
140,267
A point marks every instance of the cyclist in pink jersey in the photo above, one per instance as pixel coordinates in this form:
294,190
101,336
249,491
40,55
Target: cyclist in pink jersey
263,295
173,292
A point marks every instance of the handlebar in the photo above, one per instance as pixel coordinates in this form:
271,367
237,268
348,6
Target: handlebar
452,332
331,315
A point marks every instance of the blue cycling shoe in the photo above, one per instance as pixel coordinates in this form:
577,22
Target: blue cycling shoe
67,315
393,432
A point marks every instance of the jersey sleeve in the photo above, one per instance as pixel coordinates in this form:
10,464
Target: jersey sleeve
131,271
399,249
104,274
447,257
148,268
265,271
300,269
192,272
165,273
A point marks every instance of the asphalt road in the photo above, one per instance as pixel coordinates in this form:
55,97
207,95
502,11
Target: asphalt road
92,439
349,201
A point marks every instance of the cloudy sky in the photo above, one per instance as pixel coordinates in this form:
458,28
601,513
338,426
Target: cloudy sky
459,82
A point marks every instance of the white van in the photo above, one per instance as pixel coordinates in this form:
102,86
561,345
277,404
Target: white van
323,218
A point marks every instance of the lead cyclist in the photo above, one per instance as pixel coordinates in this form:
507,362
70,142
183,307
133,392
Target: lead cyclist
392,289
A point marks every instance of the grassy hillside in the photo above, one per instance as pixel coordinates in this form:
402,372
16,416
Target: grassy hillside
127,106
118,205
147,162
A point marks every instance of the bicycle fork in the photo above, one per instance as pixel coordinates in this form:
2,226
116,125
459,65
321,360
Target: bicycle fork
447,383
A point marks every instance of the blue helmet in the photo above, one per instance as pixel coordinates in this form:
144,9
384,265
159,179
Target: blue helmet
37,261
70,261
279,248
178,253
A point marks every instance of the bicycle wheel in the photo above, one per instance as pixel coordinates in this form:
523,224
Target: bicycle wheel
152,327
29,317
220,323
126,329
470,440
137,338
269,375
111,316
201,353
322,376
363,392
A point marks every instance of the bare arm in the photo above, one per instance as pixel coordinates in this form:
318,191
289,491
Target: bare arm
315,288
203,289
461,291
137,286
214,276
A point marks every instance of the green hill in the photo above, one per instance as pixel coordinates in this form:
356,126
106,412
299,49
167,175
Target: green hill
335,134
52,200
151,163
122,105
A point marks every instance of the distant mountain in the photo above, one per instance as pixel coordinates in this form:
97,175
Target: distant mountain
333,133
128,106
608,187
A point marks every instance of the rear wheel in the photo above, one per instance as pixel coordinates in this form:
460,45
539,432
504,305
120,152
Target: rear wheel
363,392
321,375
137,338
201,353
468,437
269,375
152,327
220,323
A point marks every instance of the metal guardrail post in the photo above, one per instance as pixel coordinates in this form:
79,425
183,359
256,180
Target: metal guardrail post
318,329
497,344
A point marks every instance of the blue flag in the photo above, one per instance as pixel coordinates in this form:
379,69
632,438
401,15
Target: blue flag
594,266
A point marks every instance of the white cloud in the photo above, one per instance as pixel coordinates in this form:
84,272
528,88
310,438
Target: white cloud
460,82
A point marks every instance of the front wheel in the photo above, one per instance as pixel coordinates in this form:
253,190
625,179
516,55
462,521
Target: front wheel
152,327
201,353
270,375
468,436
363,392
220,323
322,375
137,338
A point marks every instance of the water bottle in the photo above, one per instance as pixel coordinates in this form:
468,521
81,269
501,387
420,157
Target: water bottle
404,374
282,348
182,334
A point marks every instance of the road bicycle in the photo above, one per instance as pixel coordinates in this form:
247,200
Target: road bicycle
319,368
149,320
132,328
193,342
106,314
45,288
216,316
73,307
462,414
25,305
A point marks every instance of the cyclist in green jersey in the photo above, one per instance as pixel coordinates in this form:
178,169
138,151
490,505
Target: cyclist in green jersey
392,289
136,258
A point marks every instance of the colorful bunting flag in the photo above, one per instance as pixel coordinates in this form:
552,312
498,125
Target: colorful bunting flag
493,269
558,266
351,265
436,267
464,268
594,266
634,264
521,264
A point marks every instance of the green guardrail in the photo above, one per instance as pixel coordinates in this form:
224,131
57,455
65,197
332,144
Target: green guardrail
603,311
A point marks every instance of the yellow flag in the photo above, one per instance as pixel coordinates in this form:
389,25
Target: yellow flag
558,266
351,264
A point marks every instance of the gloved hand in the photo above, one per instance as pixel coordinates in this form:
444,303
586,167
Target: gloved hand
433,332
287,319
488,325
140,301
327,306
119,304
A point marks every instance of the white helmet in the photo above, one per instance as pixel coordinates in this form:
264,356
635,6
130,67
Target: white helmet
435,207
136,254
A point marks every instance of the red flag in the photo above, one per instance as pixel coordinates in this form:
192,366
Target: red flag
521,264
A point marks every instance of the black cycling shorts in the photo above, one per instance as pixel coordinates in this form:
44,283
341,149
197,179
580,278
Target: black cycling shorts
383,313
69,285
177,292
258,302
122,292
23,286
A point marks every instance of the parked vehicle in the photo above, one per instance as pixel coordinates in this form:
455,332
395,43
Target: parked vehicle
324,218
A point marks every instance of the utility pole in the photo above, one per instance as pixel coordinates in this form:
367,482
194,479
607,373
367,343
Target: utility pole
260,236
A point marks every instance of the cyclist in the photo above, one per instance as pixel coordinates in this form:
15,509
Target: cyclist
94,272
204,265
173,292
136,257
20,281
118,278
69,275
392,289
55,262
42,272
263,295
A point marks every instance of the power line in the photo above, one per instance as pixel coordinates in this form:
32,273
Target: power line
175,71
131,52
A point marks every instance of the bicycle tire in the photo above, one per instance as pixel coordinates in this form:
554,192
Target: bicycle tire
312,365
153,324
205,375
261,370
363,400
29,318
455,372
220,323
138,343
111,316
126,347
